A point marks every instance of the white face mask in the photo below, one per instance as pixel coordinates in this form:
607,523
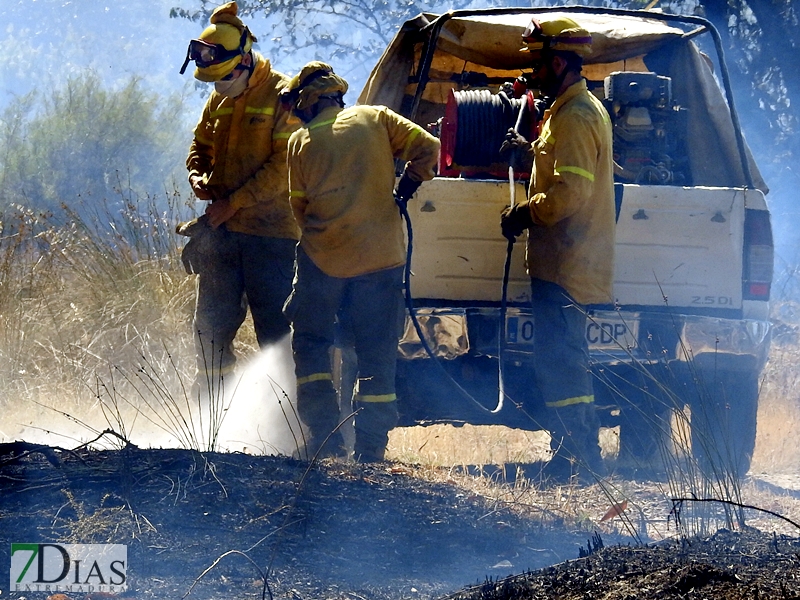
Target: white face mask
233,87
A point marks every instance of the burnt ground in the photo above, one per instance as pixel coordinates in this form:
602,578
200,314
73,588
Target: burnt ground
216,526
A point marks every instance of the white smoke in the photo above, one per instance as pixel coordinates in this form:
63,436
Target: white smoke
261,416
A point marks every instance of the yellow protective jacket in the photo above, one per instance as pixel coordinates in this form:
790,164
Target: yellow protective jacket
341,179
239,147
572,198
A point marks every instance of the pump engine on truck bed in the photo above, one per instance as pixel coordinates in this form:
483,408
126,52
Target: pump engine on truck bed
688,331
649,129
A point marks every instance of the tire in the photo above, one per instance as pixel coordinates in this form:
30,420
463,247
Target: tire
723,424
644,436
644,421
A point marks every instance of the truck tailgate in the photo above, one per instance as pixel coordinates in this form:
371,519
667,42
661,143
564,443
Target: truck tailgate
680,247
675,246
459,251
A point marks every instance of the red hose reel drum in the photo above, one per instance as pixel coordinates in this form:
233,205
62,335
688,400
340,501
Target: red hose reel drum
474,127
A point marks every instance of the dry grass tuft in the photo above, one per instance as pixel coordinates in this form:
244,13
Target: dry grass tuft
446,445
85,305
779,401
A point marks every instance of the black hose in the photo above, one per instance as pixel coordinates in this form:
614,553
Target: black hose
483,119
501,333
417,327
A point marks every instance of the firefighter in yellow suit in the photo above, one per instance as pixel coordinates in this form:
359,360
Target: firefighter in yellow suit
349,269
242,249
570,219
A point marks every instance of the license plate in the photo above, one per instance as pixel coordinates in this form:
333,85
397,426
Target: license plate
602,332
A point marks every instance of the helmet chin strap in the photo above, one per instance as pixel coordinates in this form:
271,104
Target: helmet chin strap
251,67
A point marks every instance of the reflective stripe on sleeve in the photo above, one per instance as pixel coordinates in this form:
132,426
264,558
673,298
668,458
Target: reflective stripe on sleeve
577,171
321,124
203,140
256,110
220,112
571,401
297,194
410,141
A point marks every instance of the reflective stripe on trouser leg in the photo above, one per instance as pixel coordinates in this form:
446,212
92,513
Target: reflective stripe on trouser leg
374,314
373,422
312,309
561,353
318,408
561,361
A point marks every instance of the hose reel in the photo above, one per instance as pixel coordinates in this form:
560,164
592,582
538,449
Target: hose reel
472,131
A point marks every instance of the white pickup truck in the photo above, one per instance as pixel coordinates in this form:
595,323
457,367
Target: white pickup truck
689,326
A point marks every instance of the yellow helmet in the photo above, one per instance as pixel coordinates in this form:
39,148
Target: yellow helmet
314,80
557,34
221,46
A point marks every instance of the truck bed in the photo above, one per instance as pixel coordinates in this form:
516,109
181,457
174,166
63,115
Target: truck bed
679,247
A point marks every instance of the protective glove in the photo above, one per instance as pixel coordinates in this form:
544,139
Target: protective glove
514,142
194,227
540,105
514,220
516,149
199,187
195,252
406,188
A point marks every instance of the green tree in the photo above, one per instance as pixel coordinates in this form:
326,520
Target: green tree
14,151
85,141
761,39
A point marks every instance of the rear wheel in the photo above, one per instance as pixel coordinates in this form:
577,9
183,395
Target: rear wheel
723,421
644,420
645,437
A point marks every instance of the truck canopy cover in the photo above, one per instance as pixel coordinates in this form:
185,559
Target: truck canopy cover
495,40
490,44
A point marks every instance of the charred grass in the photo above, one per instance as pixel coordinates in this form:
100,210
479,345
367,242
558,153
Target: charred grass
94,335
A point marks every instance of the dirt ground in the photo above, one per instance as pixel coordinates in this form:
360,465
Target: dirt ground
232,525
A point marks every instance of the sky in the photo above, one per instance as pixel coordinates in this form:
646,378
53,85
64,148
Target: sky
47,40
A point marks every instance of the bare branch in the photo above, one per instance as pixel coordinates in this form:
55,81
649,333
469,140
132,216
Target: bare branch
677,504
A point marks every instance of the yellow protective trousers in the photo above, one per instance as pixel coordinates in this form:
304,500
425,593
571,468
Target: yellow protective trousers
236,271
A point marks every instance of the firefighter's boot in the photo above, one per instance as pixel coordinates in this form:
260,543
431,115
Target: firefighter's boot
373,421
575,445
318,408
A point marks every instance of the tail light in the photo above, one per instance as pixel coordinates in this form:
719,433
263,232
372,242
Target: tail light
758,255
